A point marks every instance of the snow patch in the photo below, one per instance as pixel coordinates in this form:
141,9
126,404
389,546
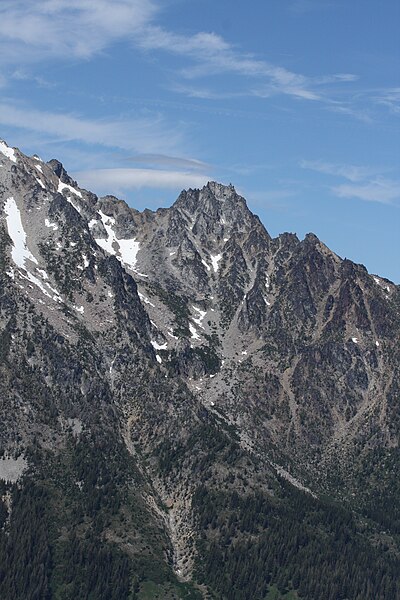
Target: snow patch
72,203
20,252
79,309
201,314
8,152
64,186
40,182
206,265
128,249
50,225
42,273
377,344
145,300
215,260
158,358
355,340
381,284
39,168
158,346
106,244
193,333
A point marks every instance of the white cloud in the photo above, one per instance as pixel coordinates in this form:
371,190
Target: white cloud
380,190
79,29
115,181
212,55
23,75
366,183
350,172
337,77
391,99
140,135
169,161
32,31
215,55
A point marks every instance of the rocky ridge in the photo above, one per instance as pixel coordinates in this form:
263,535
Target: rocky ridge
197,344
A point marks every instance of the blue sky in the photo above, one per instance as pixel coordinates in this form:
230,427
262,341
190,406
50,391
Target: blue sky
295,102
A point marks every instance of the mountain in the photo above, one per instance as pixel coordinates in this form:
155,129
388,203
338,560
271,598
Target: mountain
189,407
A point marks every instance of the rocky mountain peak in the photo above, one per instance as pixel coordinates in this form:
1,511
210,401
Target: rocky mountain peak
215,200
181,389
58,169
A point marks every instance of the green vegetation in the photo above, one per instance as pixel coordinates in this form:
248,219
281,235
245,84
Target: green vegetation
80,530
303,547
167,591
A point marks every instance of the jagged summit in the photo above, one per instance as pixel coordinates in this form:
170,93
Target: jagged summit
58,168
215,199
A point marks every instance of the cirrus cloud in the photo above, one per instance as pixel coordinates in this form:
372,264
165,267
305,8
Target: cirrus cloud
79,29
34,31
141,135
379,190
365,182
104,181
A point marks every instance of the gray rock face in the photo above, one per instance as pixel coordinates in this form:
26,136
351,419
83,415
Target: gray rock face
145,325
204,287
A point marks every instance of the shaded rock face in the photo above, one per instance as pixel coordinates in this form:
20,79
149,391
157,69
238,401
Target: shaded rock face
152,329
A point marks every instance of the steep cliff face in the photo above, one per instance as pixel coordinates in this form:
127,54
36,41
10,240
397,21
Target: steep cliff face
180,390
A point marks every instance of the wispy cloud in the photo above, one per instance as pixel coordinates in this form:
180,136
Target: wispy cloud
33,31
365,182
169,161
379,190
79,29
346,108
350,172
213,55
23,75
140,135
117,181
390,98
